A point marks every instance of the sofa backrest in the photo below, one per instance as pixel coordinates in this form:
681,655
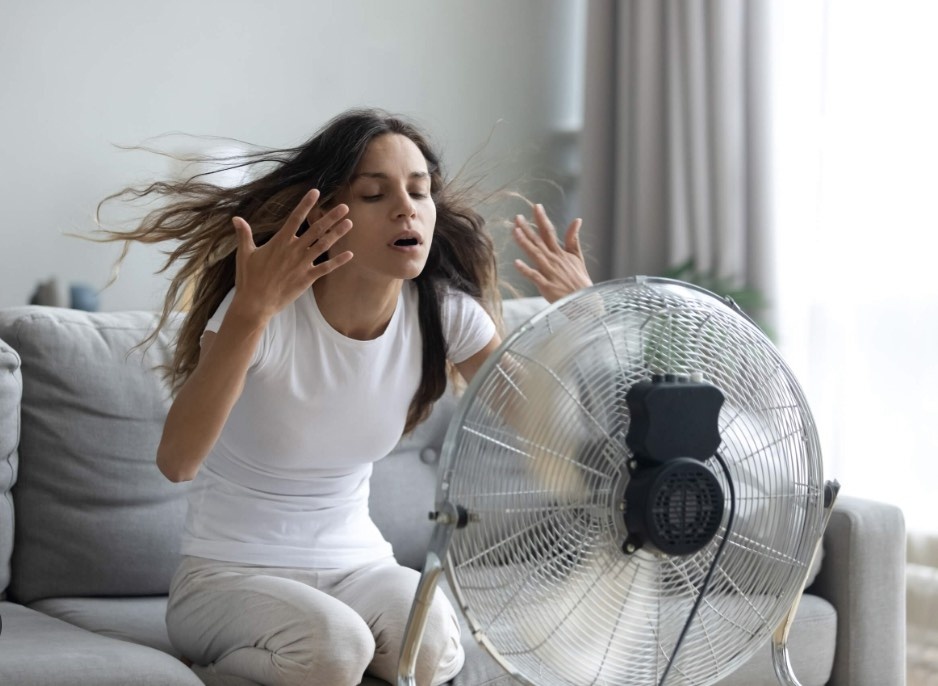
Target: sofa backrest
11,391
94,517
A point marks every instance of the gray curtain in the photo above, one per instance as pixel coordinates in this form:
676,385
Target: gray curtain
675,151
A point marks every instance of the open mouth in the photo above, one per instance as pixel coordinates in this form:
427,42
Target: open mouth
405,242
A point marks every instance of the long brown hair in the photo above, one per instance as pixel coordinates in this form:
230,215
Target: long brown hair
197,215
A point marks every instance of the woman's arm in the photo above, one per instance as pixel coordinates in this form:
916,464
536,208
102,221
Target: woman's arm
202,406
268,279
468,367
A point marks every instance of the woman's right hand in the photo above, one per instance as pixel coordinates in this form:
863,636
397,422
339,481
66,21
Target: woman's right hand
270,277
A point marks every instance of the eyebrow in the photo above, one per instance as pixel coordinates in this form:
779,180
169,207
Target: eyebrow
382,175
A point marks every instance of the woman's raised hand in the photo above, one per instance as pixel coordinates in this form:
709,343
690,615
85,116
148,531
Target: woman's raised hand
558,269
272,276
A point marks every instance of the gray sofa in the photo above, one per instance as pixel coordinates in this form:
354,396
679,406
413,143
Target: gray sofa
86,562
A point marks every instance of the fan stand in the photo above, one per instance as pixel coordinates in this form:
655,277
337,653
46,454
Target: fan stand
447,521
451,517
781,659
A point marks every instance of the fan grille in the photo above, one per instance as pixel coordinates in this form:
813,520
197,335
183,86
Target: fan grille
537,455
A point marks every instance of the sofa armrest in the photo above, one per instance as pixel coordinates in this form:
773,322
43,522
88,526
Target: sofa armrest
863,576
11,396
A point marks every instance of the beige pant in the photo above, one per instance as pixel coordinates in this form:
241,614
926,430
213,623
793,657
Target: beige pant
245,624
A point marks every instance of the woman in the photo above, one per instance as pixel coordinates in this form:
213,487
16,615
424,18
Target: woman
308,351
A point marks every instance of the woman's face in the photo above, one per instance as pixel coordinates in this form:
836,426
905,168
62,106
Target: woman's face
391,210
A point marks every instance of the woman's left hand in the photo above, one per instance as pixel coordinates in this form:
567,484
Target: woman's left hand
558,270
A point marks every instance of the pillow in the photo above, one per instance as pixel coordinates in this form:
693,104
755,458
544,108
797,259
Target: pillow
93,514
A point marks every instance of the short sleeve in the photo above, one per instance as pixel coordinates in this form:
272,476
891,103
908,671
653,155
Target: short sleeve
214,323
466,325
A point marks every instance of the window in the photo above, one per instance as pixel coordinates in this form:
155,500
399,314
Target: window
855,113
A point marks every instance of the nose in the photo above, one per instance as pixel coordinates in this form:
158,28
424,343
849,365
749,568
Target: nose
404,207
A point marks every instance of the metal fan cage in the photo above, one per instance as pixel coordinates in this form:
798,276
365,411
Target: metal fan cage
536,454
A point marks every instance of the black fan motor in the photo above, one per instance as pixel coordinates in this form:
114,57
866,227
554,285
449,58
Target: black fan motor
673,502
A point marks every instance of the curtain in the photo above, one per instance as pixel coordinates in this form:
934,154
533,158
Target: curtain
675,139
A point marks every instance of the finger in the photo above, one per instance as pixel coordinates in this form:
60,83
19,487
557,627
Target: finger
245,237
299,213
328,239
546,227
571,240
533,246
531,274
528,240
320,270
326,223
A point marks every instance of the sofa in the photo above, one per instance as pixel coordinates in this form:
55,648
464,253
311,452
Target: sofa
89,528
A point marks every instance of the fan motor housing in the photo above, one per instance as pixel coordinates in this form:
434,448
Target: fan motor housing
671,417
675,508
673,502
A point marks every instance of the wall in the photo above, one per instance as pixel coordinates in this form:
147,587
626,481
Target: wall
80,77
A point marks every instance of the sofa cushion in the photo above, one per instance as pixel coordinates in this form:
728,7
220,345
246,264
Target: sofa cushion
138,620
811,645
38,650
94,515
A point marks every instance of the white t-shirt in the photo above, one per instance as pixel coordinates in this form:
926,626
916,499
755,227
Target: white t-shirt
286,484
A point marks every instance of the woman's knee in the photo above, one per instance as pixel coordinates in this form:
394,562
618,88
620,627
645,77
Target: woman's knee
336,653
271,630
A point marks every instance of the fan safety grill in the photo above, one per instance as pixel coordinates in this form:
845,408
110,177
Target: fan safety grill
537,454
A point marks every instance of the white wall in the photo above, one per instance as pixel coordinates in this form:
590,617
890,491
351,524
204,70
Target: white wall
78,77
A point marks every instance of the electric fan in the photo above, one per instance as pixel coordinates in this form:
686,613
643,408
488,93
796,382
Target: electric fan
630,492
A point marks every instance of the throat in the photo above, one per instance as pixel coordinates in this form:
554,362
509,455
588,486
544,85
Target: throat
361,316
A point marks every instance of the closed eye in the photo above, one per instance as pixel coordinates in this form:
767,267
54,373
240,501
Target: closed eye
417,195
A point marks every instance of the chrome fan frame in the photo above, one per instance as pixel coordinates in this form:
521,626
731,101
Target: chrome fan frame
570,562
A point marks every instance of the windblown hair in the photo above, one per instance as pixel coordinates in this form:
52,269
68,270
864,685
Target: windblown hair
197,215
